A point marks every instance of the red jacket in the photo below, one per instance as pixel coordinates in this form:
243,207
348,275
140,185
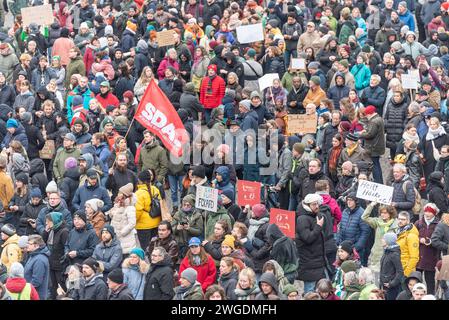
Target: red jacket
16,285
207,273
89,59
109,100
213,99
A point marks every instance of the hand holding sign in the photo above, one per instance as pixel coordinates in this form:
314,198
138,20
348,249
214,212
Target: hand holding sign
248,193
285,220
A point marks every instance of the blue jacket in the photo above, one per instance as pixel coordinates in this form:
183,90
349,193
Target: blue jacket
225,184
37,271
135,279
408,20
83,241
109,255
18,135
250,120
88,192
103,153
128,40
353,228
66,215
362,75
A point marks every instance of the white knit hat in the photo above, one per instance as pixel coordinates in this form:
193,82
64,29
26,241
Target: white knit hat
95,204
313,197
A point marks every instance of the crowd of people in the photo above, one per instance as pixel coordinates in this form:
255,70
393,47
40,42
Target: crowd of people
93,206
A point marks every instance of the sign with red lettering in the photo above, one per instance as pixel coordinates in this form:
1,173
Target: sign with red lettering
285,220
248,193
156,113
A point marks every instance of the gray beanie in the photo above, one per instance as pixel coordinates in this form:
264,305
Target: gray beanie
23,242
190,275
16,270
396,45
435,62
108,30
390,238
246,103
403,3
142,45
26,117
51,187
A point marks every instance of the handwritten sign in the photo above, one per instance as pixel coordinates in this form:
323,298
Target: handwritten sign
267,80
165,38
248,193
302,123
372,191
42,15
206,198
409,81
250,33
48,151
285,220
298,64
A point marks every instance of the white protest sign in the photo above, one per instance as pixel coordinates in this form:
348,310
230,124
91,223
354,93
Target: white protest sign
409,81
372,191
267,80
298,64
206,198
250,33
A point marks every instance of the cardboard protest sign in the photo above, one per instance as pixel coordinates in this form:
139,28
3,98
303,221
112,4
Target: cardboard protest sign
409,81
298,64
285,220
42,15
248,193
206,198
301,123
267,80
48,151
372,191
250,33
165,38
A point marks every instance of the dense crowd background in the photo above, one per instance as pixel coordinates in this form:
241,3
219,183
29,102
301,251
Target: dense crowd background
93,206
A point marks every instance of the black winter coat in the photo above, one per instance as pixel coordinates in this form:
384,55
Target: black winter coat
94,289
60,236
37,174
69,185
122,85
7,95
189,101
159,281
123,293
228,282
310,245
119,179
30,212
261,253
214,249
308,184
437,195
83,241
35,140
391,270
395,119
274,65
440,237
297,95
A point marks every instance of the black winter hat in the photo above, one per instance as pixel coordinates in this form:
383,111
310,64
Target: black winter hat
352,137
92,263
80,214
109,229
8,229
199,171
347,246
22,177
116,276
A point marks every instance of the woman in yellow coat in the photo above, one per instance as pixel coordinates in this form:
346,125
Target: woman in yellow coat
146,226
408,241
11,251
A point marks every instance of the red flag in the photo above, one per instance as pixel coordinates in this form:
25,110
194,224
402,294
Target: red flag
156,113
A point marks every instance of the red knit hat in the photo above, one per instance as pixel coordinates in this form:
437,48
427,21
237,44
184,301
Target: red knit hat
370,110
445,6
213,67
259,210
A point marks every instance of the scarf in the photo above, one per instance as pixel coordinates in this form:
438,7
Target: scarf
50,240
407,136
196,61
254,225
209,85
428,222
404,229
333,158
244,293
352,149
433,134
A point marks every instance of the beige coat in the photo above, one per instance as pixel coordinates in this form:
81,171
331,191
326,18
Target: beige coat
11,252
309,40
123,219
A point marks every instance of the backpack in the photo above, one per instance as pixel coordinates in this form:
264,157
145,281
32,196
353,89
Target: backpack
417,206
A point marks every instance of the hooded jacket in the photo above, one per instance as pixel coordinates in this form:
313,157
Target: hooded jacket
337,92
11,252
109,254
30,211
353,228
153,156
87,192
159,281
40,221
196,225
408,240
93,289
390,267
61,156
270,279
407,294
134,277
143,219
436,192
18,135
283,249
225,184
16,286
37,271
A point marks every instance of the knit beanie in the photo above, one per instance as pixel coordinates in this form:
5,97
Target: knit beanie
36,193
16,270
259,210
80,214
289,288
199,171
22,177
26,117
127,189
116,276
70,163
23,242
8,229
92,263
138,252
347,246
12,123
313,197
110,229
51,187
190,275
348,265
190,198
229,241
390,238
95,204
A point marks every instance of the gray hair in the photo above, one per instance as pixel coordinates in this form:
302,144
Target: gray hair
401,167
414,107
366,275
37,239
162,251
350,278
405,214
376,76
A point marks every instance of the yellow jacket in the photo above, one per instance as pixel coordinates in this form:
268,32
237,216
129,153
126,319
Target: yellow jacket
143,218
11,251
409,243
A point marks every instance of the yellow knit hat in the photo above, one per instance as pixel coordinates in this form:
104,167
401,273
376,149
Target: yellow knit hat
229,241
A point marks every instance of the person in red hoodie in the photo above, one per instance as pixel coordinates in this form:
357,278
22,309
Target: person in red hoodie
212,91
322,188
16,285
203,263
106,97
